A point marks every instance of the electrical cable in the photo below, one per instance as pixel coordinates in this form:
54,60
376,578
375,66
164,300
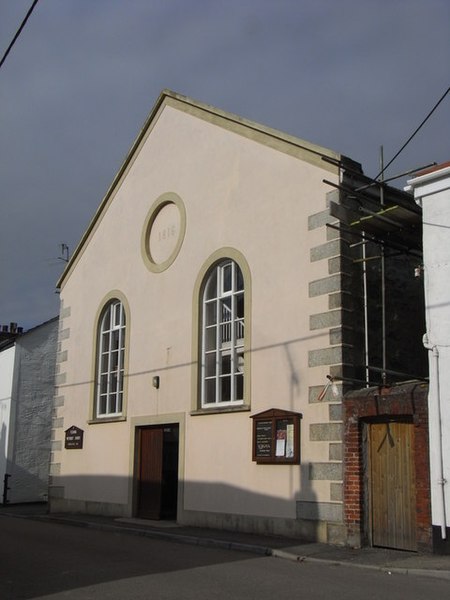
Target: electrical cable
18,32
414,133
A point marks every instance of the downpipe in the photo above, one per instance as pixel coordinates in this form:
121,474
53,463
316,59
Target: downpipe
441,481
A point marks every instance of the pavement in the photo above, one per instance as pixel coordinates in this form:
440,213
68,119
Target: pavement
380,559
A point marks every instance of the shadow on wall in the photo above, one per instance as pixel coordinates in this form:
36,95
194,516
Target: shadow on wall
294,378
24,485
202,504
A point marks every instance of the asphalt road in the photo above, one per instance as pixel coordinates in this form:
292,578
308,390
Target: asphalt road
42,560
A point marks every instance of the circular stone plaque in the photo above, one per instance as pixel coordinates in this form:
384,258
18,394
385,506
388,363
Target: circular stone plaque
163,232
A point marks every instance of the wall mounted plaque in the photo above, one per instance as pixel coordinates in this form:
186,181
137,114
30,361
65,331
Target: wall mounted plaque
74,438
163,233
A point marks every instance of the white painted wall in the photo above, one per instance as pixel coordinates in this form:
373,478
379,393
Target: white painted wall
432,192
27,380
6,384
33,403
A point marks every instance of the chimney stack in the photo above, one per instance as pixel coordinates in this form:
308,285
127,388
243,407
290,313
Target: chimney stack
10,332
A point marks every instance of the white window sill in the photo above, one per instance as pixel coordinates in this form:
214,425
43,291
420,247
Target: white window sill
214,410
111,419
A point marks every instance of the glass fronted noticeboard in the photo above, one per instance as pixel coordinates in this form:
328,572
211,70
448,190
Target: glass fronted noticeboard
276,437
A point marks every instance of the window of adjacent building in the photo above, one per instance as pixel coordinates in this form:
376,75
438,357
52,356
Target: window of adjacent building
110,361
222,340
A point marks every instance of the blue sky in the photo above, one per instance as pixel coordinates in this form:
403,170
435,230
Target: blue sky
350,75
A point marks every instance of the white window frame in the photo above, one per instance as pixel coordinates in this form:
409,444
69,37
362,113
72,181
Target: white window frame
110,361
222,336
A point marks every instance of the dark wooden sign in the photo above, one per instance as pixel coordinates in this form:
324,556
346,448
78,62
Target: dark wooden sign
74,438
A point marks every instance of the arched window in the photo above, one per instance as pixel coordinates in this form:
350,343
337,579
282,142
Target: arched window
110,360
222,339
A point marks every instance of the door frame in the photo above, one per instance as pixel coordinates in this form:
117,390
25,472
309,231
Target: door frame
367,461
148,421
403,401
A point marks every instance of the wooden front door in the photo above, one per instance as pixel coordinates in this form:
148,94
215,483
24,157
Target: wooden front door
157,472
392,485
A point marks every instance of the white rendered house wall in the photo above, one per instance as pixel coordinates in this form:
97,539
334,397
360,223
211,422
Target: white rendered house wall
6,384
432,193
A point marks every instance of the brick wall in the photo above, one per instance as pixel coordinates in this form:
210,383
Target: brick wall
408,401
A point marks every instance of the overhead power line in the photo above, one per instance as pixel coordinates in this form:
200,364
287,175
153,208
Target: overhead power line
18,32
414,133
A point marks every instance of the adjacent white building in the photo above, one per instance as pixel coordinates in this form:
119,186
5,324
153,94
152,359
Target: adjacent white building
27,380
7,355
432,192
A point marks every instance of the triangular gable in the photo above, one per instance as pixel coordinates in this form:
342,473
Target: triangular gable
272,138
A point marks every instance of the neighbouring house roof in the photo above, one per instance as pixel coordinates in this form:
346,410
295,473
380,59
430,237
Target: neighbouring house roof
8,343
41,325
428,182
273,138
432,169
11,341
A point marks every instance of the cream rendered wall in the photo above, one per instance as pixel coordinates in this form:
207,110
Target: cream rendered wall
237,193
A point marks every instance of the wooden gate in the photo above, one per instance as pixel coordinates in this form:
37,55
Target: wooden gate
157,472
392,485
